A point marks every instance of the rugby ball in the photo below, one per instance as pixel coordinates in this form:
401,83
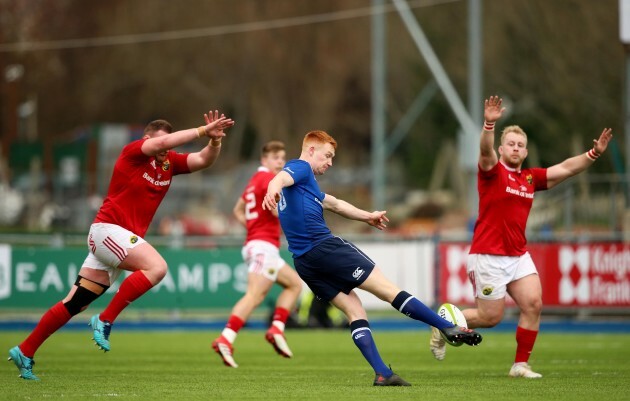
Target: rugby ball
454,315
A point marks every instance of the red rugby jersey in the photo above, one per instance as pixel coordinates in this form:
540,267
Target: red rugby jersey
138,186
506,196
261,224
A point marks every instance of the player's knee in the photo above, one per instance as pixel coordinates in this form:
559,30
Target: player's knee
158,271
533,306
493,320
87,291
295,286
257,297
490,318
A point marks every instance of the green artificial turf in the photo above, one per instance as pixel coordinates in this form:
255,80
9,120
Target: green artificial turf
180,365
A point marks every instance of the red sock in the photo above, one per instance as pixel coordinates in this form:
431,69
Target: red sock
235,323
525,340
130,290
281,314
50,322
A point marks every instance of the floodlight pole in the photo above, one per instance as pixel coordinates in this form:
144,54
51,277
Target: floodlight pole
378,106
626,102
475,96
624,35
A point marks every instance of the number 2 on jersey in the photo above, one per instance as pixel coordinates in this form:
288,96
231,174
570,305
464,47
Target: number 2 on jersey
250,204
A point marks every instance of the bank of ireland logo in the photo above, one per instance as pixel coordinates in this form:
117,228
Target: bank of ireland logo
574,267
5,271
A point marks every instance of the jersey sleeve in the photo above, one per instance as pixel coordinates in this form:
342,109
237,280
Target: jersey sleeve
488,174
540,178
179,162
298,170
132,152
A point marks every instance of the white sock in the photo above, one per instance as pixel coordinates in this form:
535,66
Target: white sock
229,335
279,325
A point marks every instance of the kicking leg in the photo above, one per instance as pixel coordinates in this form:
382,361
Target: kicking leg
407,304
411,306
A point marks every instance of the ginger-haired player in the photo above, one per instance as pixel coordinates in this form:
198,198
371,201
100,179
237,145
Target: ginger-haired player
333,267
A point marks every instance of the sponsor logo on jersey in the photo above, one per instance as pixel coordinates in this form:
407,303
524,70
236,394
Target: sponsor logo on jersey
158,182
511,178
522,194
358,273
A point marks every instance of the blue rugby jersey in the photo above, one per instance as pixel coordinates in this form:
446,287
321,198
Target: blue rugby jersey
300,209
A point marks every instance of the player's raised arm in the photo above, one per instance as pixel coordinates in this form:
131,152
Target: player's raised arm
493,110
281,180
375,219
575,165
213,129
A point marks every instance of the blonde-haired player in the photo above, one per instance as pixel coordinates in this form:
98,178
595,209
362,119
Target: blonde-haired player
498,263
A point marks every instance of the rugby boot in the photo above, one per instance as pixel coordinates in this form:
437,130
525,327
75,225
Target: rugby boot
393,380
23,363
101,332
275,337
223,347
522,369
458,335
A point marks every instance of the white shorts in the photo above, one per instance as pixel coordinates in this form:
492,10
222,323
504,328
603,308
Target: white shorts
490,274
109,245
263,258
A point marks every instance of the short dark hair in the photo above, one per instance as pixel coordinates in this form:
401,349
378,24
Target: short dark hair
272,147
158,125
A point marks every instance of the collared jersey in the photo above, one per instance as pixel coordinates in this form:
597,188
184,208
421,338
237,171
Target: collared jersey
261,223
138,186
505,200
301,211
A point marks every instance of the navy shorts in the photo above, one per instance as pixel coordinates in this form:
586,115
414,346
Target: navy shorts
333,266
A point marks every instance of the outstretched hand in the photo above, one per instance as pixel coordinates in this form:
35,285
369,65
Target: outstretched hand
270,201
600,145
493,109
215,124
378,219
